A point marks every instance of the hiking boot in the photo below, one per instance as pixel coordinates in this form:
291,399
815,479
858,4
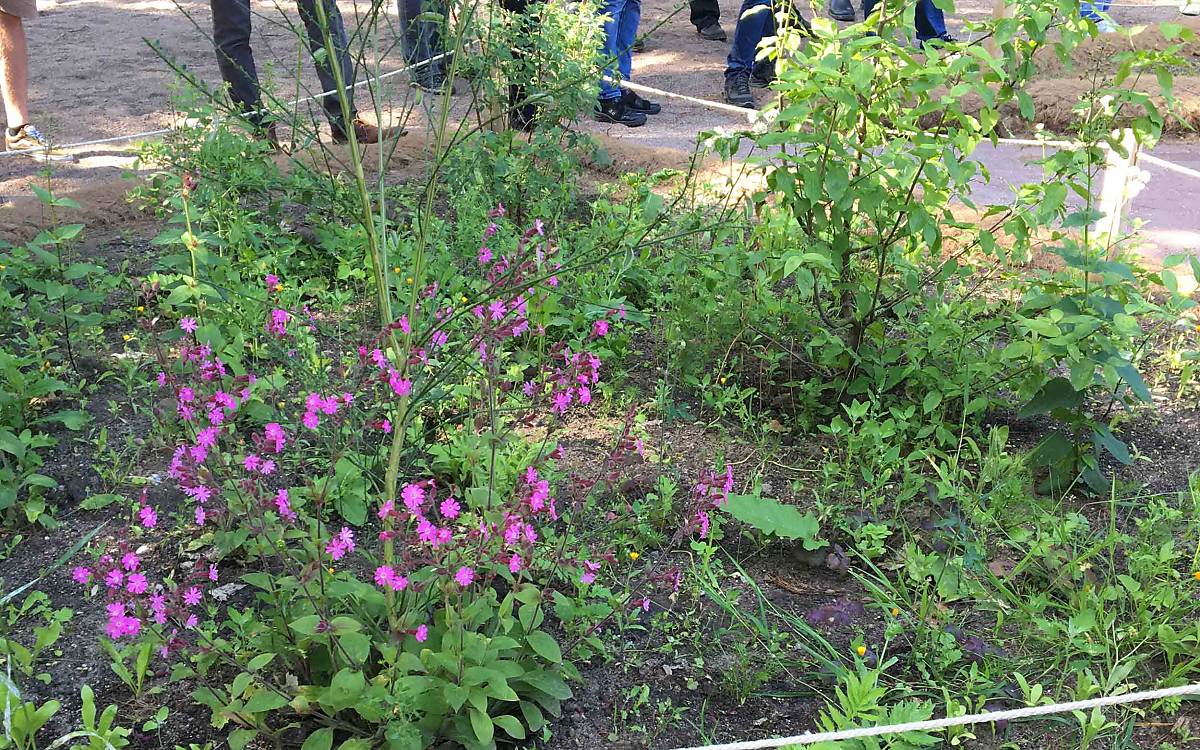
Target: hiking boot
614,111
841,10
763,75
25,138
938,41
737,89
712,32
434,82
635,103
364,132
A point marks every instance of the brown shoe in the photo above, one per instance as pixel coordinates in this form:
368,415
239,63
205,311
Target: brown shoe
365,132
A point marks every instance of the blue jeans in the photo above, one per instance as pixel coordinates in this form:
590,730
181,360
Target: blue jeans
1092,11
620,31
750,30
930,20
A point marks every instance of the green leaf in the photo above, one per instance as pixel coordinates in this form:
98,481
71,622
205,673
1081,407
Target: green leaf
345,689
356,645
239,738
1111,443
306,625
773,517
1058,393
652,207
96,502
482,725
932,400
259,662
511,726
1130,375
265,700
545,646
322,739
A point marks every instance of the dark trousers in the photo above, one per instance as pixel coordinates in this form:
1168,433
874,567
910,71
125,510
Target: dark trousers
930,20
516,91
705,12
421,39
750,30
231,33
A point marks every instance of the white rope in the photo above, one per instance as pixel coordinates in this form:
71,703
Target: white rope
264,110
749,114
1170,165
957,721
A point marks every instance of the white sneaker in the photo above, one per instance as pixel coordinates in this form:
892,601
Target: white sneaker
1189,7
1106,26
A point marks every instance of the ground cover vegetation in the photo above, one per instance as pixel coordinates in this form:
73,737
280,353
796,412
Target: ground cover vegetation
510,450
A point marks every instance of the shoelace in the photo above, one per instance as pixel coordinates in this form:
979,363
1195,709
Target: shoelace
31,131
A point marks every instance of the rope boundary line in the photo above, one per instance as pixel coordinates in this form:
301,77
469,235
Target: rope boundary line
751,115
810,738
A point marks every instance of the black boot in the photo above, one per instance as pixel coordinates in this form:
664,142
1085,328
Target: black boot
635,103
737,89
712,32
615,112
841,10
763,75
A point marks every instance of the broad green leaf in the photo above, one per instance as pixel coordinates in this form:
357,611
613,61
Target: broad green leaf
545,646
482,725
322,739
773,517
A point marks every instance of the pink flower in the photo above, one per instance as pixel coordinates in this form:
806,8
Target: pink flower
212,573
267,468
450,508
311,420
422,633
485,255
400,386
276,435
600,328
404,325
137,584
191,597
188,324
272,282
589,571
514,564
81,575
200,515
413,496
340,545
278,323
284,506
464,576
114,578
191,621
130,561
646,604
251,462
386,577
148,516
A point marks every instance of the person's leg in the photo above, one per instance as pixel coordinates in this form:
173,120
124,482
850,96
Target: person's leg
341,56
930,21
704,13
627,28
754,18
231,36
14,71
421,39
611,10
747,34
520,116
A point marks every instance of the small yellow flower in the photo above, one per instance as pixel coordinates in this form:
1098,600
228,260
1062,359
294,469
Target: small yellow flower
141,308
126,337
330,570
723,379
895,611
861,650
408,280
463,299
1196,575
634,556
279,287
280,404
396,270
2,266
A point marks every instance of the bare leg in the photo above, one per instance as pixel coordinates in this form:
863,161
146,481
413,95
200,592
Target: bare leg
14,68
